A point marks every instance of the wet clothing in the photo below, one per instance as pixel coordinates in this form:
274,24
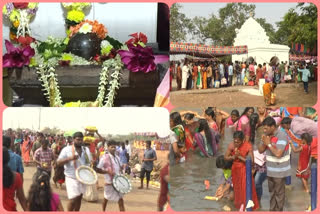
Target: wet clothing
239,177
164,190
303,165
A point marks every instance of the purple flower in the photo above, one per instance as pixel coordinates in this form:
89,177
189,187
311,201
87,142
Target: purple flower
10,7
17,57
138,58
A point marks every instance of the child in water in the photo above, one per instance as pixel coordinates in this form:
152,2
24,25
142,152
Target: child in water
225,188
303,170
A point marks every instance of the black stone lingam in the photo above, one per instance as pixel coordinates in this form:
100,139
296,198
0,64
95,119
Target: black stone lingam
84,45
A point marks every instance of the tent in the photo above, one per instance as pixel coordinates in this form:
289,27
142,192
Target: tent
207,51
293,57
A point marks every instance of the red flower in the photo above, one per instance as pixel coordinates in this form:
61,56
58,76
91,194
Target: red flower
137,38
21,5
25,41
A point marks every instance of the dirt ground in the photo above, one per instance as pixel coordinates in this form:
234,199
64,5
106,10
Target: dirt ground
136,200
287,94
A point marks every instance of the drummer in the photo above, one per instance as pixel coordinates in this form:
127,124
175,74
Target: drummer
110,165
73,157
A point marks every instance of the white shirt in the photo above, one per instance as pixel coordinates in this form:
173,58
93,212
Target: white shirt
185,71
128,148
230,69
69,169
115,163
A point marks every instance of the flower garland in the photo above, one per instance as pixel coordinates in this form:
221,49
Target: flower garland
45,67
115,82
20,15
88,26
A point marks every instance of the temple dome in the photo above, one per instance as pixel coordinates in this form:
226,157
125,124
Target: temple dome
251,33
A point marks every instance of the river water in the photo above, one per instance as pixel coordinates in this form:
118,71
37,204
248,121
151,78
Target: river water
187,189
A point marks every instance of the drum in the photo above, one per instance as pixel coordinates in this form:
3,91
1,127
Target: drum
86,175
122,184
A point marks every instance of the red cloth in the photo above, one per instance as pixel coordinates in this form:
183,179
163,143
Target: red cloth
163,197
214,126
304,162
238,172
189,139
314,147
8,194
259,75
294,110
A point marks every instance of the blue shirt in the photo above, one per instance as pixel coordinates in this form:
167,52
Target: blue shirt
15,162
305,74
149,154
123,157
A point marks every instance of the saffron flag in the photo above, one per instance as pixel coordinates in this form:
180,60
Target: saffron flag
162,96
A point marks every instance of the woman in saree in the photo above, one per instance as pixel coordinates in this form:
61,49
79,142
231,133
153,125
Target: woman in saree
204,76
199,79
268,89
190,128
178,148
25,150
232,121
210,116
221,117
244,122
206,139
237,152
58,170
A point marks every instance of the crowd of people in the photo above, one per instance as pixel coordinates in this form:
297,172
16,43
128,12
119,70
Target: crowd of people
57,157
267,135
193,74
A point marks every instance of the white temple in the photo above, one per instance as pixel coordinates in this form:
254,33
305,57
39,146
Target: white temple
259,47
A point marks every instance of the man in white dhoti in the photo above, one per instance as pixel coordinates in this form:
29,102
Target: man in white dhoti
73,157
110,165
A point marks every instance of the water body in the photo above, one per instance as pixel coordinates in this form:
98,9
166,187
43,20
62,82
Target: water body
187,189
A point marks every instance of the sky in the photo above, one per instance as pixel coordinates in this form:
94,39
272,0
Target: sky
107,120
272,12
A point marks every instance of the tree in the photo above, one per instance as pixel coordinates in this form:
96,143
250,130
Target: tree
50,131
299,27
221,29
180,25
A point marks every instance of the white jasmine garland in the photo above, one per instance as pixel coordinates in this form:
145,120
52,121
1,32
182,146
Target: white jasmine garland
115,82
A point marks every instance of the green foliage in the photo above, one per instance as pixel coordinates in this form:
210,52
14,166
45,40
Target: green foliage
51,48
299,26
180,25
115,43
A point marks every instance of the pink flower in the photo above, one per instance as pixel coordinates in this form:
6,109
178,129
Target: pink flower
138,58
17,57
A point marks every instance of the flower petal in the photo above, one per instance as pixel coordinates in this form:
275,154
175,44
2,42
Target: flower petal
10,47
